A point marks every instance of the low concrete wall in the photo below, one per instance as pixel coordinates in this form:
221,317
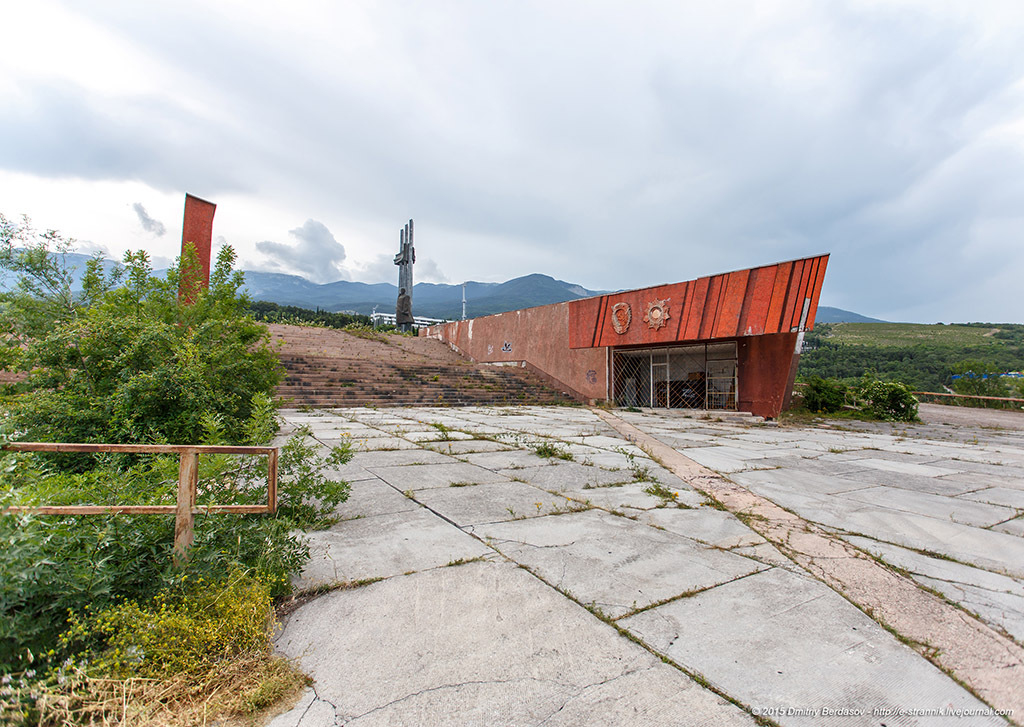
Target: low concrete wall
537,336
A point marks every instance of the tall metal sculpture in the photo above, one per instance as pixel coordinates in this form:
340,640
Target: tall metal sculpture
404,260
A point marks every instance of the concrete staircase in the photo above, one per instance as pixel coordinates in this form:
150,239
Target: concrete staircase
330,368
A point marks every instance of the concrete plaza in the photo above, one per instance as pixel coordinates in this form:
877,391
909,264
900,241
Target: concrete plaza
659,568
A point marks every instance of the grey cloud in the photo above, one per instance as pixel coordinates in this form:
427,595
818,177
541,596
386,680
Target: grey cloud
427,271
155,227
59,130
317,256
613,148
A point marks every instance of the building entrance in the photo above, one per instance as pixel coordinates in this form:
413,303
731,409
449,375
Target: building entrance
702,376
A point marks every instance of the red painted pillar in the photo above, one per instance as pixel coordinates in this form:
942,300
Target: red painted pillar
197,229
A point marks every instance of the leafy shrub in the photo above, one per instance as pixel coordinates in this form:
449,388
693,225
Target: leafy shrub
824,395
889,400
126,360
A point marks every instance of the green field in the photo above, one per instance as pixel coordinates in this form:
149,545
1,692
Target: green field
925,356
910,334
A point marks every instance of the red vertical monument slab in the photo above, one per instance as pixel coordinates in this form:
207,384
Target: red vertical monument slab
197,229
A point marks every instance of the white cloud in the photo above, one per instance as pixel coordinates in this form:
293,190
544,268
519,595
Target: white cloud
317,256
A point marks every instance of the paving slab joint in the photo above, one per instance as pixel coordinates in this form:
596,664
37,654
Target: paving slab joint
985,662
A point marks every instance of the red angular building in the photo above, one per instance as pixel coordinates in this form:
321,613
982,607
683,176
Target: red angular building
729,341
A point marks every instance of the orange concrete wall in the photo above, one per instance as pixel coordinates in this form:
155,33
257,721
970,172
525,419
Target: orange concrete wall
539,336
765,369
764,300
763,309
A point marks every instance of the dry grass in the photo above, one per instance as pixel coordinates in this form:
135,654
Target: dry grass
235,693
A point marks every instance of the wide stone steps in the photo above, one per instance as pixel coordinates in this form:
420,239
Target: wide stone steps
328,368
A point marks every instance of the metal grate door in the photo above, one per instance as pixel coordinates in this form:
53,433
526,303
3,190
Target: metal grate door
685,377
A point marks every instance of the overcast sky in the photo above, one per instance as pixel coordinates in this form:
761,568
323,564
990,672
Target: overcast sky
609,144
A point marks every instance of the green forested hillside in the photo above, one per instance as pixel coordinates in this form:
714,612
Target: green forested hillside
921,355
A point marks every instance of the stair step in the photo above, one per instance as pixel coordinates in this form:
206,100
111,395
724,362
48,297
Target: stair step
329,368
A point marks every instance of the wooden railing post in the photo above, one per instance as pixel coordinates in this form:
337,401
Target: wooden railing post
188,479
272,481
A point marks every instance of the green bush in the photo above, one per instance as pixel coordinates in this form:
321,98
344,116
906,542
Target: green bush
126,361
51,566
889,400
824,395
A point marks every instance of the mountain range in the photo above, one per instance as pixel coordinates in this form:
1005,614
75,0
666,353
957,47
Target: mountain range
434,300
431,300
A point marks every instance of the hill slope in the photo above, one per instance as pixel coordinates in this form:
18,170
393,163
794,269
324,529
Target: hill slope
923,356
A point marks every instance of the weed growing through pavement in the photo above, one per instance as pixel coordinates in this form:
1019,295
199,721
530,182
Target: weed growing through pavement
549,450
660,491
463,561
446,433
641,473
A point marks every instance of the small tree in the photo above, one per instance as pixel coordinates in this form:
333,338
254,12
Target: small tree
889,400
126,360
977,378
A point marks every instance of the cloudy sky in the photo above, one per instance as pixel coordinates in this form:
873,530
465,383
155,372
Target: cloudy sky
609,144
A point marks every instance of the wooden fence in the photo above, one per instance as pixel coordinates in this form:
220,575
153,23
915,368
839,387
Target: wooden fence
955,397
188,478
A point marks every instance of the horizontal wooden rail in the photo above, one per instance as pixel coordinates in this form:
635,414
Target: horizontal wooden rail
188,478
967,396
134,448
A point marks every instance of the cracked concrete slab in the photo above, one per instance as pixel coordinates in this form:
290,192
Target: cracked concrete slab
996,598
1006,496
903,468
383,546
373,497
962,511
706,525
467,446
564,476
614,563
495,502
630,495
355,468
985,548
601,559
784,628
944,635
1011,527
486,644
506,459
418,477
